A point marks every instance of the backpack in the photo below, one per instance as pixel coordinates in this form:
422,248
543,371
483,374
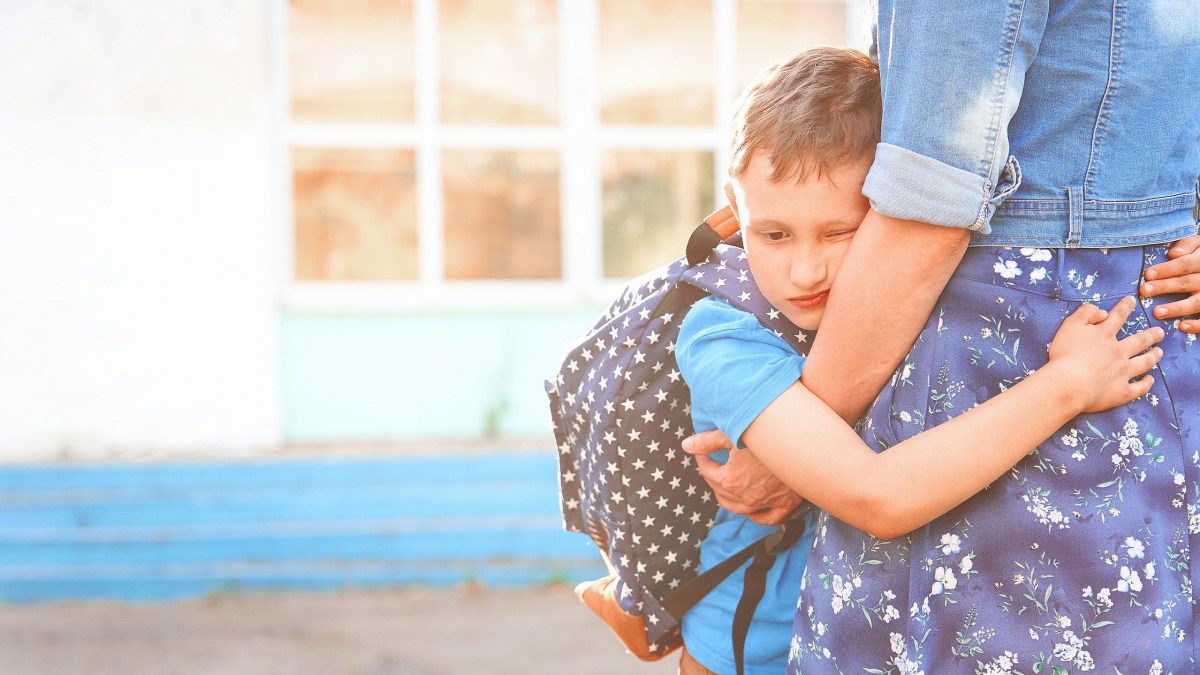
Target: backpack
620,411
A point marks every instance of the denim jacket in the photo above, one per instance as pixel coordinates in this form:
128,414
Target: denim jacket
1053,123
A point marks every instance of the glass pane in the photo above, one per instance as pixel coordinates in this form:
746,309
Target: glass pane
656,63
351,60
769,31
499,61
355,214
501,214
652,202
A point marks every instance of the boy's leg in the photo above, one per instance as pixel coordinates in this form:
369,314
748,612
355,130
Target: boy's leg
690,666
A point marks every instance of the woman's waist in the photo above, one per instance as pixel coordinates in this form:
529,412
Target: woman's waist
1092,274
1074,222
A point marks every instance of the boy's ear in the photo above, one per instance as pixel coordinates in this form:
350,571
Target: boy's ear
731,197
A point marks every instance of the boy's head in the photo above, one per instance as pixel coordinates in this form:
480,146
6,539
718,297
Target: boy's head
804,138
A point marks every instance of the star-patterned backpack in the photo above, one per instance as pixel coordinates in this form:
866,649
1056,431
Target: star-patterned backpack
620,411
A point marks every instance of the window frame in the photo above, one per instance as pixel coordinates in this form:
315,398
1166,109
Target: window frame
579,137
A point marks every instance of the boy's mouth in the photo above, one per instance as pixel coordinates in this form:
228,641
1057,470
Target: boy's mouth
810,301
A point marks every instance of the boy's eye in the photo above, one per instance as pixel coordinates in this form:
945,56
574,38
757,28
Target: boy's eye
774,236
843,234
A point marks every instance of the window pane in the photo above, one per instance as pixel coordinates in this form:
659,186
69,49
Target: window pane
351,60
356,214
499,61
772,30
656,63
501,215
652,202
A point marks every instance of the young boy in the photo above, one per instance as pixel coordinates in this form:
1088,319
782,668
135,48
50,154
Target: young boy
804,140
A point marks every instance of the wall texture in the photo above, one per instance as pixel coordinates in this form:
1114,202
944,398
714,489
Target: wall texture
139,239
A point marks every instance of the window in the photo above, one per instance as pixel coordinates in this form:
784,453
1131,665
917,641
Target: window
462,146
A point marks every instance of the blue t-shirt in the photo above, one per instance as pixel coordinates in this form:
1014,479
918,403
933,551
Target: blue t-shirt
735,368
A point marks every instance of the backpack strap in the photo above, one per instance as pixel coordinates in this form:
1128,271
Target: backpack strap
717,227
761,554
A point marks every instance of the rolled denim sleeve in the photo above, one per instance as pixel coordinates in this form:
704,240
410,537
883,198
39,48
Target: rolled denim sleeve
952,75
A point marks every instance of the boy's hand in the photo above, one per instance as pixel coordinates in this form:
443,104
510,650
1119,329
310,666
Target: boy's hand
1180,274
1086,350
742,485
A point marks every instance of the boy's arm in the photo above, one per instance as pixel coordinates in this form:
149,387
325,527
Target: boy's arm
886,288
890,278
890,493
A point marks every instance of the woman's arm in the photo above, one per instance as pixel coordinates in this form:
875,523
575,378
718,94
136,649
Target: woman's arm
896,269
890,493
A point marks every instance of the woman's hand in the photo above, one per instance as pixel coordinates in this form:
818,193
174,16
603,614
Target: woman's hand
1101,369
1180,274
742,485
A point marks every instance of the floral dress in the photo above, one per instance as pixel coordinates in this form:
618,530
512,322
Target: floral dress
1078,559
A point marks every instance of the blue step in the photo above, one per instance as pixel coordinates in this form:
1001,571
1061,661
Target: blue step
180,529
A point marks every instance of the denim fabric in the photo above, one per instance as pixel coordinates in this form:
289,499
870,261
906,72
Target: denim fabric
1061,124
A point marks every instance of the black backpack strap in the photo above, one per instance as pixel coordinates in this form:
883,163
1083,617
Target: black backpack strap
716,228
761,554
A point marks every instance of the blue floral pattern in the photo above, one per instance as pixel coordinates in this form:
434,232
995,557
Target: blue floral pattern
1078,559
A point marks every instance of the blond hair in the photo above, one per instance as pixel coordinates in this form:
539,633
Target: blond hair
812,113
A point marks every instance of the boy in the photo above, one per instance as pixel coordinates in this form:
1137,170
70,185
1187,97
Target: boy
804,140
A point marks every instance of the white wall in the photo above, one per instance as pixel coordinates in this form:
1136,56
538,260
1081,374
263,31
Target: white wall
140,235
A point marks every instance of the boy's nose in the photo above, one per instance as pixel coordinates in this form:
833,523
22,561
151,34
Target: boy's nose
807,271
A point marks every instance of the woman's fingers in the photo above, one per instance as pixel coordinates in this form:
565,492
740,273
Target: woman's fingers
1184,246
1181,260
1180,308
1178,283
706,443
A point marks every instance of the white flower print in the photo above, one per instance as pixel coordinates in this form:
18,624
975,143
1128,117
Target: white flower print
951,544
1084,545
1004,664
1038,503
890,613
841,593
1135,548
1037,254
1007,269
1130,582
944,580
1072,651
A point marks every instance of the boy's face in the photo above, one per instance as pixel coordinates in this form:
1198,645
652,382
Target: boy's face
796,233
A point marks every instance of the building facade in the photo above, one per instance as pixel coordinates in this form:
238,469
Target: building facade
236,226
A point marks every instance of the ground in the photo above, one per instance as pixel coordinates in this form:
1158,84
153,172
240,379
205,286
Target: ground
407,631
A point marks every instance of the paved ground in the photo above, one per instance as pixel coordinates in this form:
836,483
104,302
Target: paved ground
416,631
